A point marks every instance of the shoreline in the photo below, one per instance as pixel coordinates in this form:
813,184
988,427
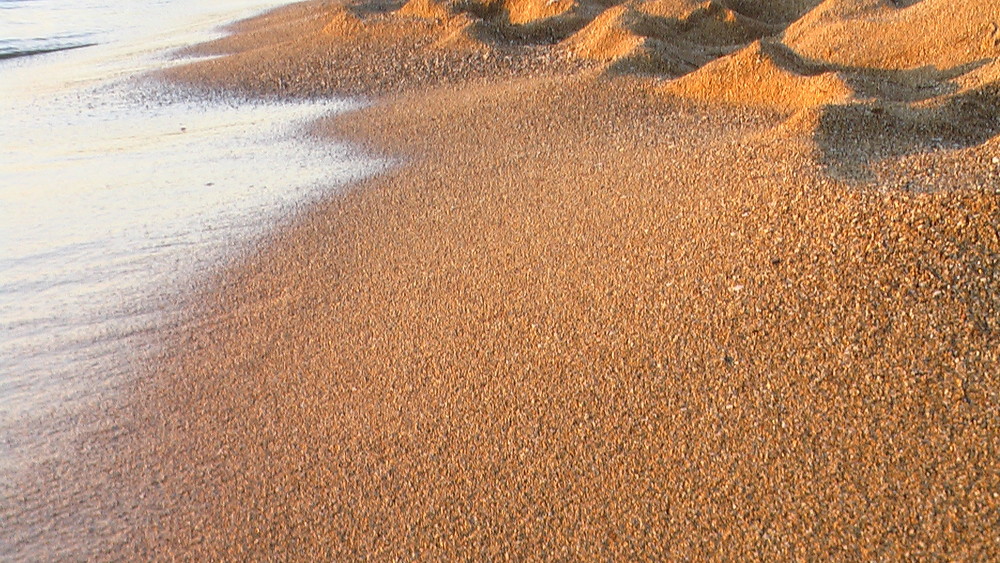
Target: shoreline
584,319
68,369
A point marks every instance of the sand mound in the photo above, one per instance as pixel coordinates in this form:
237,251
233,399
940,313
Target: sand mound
608,37
513,12
527,11
672,37
706,23
342,23
490,21
872,80
426,9
669,37
911,76
880,51
863,34
758,76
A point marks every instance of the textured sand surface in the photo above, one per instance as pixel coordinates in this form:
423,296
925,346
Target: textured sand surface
596,313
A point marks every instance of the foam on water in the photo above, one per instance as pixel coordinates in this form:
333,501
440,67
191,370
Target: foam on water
113,196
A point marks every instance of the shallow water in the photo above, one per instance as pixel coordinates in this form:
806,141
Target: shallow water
115,196
31,26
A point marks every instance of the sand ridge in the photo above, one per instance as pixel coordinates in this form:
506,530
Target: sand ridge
912,76
741,308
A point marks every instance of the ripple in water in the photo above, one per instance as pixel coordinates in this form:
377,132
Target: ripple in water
112,197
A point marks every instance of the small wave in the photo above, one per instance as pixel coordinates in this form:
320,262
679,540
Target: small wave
15,53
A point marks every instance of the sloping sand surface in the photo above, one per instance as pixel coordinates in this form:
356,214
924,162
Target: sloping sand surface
600,311
593,340
884,35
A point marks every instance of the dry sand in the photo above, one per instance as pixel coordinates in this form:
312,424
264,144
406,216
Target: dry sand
656,280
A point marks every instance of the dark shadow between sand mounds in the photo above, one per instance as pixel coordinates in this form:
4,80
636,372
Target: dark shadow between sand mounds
374,8
672,47
780,12
497,30
852,137
896,112
655,37
507,23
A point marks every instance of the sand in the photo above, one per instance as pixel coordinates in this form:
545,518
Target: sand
652,280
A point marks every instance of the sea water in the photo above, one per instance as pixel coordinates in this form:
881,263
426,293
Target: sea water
115,195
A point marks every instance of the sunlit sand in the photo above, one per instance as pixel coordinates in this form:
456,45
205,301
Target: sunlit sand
653,280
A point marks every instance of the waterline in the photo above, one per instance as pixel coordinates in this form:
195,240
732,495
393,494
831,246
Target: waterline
116,196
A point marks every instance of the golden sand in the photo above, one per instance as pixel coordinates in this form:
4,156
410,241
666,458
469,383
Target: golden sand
658,279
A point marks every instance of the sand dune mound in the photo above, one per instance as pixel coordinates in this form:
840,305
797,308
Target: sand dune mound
513,12
879,35
933,41
427,9
526,11
908,76
668,37
672,37
608,37
915,60
489,21
708,23
342,23
876,79
879,50
675,37
760,76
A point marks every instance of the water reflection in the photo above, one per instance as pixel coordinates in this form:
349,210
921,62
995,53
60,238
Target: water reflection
113,197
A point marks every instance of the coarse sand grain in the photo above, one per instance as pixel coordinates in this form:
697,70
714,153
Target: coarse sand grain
653,280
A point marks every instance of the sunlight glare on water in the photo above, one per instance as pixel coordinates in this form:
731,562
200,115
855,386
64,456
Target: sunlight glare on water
114,195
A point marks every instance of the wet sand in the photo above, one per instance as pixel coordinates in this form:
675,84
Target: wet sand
584,318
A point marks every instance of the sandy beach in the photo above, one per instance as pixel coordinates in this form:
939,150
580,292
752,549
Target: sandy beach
650,280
